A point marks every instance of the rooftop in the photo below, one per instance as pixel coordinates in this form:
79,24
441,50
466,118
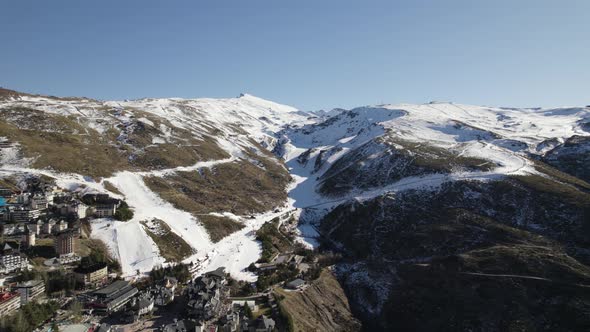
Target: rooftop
75,328
7,247
171,279
30,283
104,327
181,325
7,296
219,272
91,268
295,283
281,259
112,288
99,199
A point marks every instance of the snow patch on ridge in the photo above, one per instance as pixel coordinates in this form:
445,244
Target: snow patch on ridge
503,136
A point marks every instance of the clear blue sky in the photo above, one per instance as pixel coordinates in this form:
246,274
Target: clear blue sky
310,54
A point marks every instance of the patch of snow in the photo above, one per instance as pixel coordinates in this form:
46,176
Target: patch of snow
129,243
146,121
148,205
158,140
11,156
197,166
346,139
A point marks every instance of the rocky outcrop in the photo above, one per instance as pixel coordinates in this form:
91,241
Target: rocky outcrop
572,157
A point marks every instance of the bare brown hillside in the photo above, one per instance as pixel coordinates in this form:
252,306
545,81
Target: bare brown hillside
322,306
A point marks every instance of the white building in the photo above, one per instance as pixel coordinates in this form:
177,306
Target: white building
11,261
9,303
30,290
28,238
76,207
39,201
48,226
36,227
145,305
60,226
22,214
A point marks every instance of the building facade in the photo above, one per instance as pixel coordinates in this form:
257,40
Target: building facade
9,303
24,215
60,226
111,298
36,227
105,210
12,261
28,238
39,202
48,226
92,275
30,290
64,243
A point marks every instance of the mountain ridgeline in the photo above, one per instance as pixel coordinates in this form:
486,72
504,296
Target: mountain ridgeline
453,217
447,217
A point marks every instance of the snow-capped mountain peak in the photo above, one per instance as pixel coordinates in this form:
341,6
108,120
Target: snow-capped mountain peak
332,156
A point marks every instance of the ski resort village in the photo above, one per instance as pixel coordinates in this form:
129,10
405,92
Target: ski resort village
53,269
293,166
125,243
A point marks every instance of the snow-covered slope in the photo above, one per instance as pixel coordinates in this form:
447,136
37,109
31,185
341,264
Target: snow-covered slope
228,119
369,151
396,187
233,130
386,148
460,141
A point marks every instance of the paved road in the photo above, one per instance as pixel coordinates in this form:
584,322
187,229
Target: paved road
491,275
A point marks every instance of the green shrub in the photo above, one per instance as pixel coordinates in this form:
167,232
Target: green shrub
179,271
172,247
272,240
29,317
124,213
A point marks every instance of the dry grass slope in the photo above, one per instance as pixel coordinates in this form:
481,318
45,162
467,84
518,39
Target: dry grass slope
323,306
172,247
238,187
111,187
62,143
219,227
565,186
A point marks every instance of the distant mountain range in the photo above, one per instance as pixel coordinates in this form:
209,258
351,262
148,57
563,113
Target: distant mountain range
448,216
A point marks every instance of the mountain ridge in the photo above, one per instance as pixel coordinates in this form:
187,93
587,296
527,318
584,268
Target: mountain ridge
214,170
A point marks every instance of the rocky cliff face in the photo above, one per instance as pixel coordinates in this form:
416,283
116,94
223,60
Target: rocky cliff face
416,259
572,157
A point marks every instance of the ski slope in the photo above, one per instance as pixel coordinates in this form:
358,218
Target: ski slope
504,136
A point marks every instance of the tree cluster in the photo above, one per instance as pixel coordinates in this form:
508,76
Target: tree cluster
29,317
179,271
124,213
